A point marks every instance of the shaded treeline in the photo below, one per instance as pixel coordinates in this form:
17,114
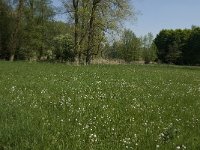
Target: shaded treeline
180,47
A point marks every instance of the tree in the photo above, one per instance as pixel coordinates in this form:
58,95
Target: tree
63,48
113,51
131,46
179,46
174,53
170,44
162,41
13,43
149,48
6,22
92,18
191,53
35,30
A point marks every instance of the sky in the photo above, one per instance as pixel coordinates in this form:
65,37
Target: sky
155,15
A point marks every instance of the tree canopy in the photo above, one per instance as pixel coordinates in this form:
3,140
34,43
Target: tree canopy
179,46
30,31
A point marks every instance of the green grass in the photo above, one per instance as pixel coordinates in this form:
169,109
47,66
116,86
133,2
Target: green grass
105,107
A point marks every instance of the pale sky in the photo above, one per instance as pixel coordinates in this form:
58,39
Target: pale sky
156,15
165,14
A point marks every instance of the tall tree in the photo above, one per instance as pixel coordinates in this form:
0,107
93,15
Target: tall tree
95,17
91,31
5,28
174,53
38,16
76,24
131,46
149,48
191,53
18,14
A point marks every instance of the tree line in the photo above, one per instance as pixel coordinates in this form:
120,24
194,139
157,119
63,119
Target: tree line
181,47
29,31
131,48
26,29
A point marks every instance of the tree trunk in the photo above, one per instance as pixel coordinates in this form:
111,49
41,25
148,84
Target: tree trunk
12,57
80,58
0,43
13,44
91,32
76,19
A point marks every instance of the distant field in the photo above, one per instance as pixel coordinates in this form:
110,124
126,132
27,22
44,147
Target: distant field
99,107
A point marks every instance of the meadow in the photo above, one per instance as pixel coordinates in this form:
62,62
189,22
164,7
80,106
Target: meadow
99,107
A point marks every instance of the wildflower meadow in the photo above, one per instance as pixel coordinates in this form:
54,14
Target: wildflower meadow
99,107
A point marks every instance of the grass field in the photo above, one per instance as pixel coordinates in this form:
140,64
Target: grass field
99,107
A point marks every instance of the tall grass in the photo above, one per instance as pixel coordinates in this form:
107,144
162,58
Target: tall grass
105,107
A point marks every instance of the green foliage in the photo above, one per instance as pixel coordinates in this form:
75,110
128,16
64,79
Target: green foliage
131,46
179,46
56,106
174,53
191,54
37,30
26,28
150,54
6,23
127,48
149,49
63,48
113,51
92,20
